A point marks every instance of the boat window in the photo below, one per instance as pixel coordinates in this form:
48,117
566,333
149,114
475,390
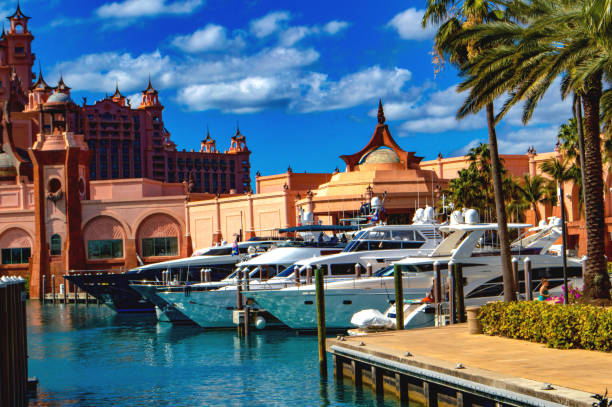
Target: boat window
402,235
411,245
287,272
386,245
344,269
361,246
255,272
378,235
383,271
418,236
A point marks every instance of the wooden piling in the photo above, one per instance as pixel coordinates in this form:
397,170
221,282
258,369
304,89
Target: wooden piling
451,292
338,367
527,270
357,270
201,275
246,320
240,327
207,277
66,285
44,288
53,287
437,292
459,296
320,298
309,275
76,294
399,298
13,343
369,270
515,275
296,275
584,263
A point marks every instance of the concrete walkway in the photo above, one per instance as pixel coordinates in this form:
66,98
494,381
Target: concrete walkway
503,358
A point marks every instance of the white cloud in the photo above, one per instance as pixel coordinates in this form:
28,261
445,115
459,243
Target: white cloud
129,9
351,90
100,72
518,141
335,26
210,38
269,24
408,25
244,96
292,35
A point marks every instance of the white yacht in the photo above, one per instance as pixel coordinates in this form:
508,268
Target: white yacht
211,304
465,245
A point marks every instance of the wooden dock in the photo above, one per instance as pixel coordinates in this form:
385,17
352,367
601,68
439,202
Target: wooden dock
492,369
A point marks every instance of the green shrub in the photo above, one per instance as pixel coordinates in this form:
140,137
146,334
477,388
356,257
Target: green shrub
557,326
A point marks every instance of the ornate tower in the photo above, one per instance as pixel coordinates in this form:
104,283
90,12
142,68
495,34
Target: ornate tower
60,160
19,54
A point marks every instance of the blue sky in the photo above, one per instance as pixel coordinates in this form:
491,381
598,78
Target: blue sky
302,78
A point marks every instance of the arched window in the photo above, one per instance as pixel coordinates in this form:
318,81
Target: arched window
56,245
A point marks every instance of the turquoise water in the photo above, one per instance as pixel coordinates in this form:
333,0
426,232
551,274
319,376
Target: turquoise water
90,356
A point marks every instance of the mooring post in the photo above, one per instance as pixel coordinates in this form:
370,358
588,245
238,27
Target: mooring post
437,292
44,288
515,274
399,298
239,307
246,319
76,294
451,292
584,263
201,275
459,297
528,288
357,270
207,275
296,275
357,373
86,298
320,298
309,275
66,286
369,270
53,284
338,367
377,380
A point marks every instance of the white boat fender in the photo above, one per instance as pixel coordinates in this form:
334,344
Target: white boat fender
260,322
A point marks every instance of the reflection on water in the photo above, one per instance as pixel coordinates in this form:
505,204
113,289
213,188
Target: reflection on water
90,356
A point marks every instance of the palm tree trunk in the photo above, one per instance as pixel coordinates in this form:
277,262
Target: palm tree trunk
596,280
500,209
535,211
578,118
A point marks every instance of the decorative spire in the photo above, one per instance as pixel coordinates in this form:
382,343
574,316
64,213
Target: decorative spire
3,36
61,86
117,94
381,113
18,13
150,87
40,84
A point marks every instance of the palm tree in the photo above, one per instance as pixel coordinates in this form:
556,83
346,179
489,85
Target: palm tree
560,171
454,17
534,192
555,38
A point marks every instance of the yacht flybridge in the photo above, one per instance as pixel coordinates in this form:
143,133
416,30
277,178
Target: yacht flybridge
465,244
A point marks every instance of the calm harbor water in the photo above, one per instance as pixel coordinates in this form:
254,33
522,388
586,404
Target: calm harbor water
90,356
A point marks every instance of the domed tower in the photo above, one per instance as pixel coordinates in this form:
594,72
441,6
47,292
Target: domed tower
118,97
19,54
60,160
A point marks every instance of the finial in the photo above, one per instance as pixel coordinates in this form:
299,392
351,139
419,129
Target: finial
381,113
116,85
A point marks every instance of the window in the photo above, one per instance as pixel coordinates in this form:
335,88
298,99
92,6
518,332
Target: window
17,255
19,50
104,249
344,269
56,245
160,246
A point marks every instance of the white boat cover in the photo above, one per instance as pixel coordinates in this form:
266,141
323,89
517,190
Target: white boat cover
371,318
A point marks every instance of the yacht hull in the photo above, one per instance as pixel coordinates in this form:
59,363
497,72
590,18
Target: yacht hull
297,308
209,309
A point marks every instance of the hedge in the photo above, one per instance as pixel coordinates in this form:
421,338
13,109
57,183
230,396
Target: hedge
557,326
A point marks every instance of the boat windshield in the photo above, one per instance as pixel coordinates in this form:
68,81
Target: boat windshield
408,268
288,271
386,239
